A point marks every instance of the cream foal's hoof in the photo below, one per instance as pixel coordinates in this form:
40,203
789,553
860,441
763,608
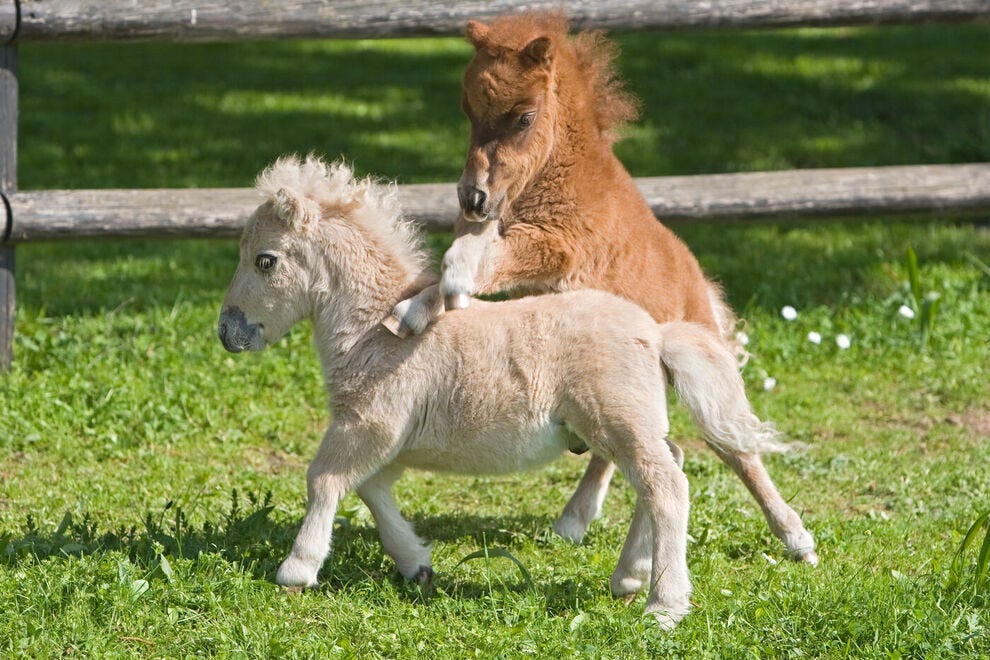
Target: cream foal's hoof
295,572
570,528
666,620
806,556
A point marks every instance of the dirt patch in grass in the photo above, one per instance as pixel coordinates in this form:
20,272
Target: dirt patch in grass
975,420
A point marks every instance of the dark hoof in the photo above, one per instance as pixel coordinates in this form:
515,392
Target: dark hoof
424,577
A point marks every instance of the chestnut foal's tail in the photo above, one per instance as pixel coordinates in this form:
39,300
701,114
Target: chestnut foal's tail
706,377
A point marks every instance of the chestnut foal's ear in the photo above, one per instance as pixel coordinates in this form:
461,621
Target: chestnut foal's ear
537,52
477,33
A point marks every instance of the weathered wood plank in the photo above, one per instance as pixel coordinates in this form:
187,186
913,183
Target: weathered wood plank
187,20
856,192
8,185
839,192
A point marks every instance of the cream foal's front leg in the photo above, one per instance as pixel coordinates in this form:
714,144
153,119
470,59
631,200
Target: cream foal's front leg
411,554
347,456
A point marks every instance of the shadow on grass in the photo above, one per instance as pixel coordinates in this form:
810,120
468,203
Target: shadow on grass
94,115
247,535
761,264
216,114
732,101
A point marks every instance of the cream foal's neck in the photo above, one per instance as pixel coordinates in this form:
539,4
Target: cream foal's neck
352,313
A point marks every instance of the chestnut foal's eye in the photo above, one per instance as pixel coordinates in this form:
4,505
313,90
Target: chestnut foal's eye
265,262
526,119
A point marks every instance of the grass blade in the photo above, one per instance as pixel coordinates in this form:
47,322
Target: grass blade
914,276
983,559
486,553
957,568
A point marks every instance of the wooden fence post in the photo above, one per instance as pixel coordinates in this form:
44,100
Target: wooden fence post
8,185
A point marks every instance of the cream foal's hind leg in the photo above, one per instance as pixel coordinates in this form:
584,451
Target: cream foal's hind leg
411,555
658,533
585,504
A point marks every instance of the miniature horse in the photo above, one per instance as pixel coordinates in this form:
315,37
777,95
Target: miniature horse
547,207
496,388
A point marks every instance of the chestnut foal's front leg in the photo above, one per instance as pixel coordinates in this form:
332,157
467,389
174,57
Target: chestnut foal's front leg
414,315
347,456
485,259
468,262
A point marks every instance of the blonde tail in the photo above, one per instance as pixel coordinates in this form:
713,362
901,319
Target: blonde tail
706,377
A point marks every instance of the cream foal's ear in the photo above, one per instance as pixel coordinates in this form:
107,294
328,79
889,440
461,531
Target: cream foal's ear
292,209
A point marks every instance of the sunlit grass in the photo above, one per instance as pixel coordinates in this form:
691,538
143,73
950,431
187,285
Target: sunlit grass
126,429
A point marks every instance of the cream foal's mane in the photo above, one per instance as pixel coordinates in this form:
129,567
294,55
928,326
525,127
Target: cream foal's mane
364,203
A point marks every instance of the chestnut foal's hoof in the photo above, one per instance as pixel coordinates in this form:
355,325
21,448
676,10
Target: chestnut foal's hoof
456,301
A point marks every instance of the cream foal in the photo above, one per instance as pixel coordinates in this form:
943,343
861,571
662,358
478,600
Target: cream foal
496,388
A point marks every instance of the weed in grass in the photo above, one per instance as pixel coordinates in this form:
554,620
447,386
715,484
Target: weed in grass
925,305
976,584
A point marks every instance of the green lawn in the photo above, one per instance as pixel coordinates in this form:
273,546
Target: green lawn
150,483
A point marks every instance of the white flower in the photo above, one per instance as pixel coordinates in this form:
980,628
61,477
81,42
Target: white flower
814,337
906,312
742,338
842,341
788,312
769,383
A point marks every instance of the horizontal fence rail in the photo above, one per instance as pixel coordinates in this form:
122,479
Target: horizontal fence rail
812,193
190,20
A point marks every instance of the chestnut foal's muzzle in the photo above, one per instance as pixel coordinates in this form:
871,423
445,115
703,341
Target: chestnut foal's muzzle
472,199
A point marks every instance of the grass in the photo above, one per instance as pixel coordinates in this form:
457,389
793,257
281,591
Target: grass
150,483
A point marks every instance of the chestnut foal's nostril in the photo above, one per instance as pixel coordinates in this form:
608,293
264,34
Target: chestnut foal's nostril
478,198
472,199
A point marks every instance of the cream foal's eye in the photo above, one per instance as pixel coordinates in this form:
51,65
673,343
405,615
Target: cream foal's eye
265,262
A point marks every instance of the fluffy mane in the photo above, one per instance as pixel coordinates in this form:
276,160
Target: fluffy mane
590,53
331,188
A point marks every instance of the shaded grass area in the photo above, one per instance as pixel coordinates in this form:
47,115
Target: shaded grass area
150,483
214,115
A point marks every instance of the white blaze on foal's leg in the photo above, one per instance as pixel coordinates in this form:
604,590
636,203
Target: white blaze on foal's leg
466,261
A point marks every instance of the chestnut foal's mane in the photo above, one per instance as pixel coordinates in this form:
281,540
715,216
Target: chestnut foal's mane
585,63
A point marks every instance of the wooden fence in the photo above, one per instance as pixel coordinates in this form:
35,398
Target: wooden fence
64,214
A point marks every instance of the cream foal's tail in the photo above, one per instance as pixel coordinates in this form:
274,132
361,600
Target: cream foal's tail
706,377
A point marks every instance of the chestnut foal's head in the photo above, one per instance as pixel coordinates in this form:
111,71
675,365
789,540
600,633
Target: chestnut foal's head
509,99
